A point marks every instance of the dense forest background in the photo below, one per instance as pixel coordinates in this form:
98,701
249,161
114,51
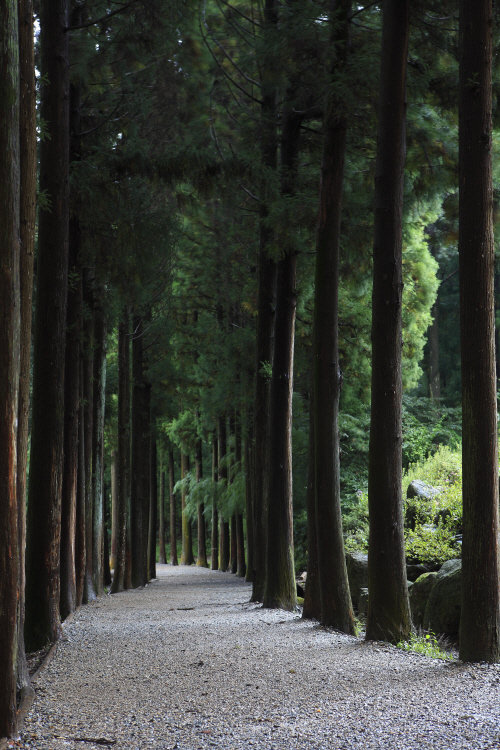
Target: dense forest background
173,399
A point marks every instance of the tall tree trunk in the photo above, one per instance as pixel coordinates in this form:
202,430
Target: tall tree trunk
80,537
265,302
47,436
153,507
71,436
28,165
140,460
239,534
173,508
114,508
214,539
312,596
187,557
88,419
123,458
280,589
161,516
98,444
388,606
202,530
224,531
10,299
336,606
480,618
249,500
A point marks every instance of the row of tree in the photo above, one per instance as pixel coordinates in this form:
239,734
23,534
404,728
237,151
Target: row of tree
174,274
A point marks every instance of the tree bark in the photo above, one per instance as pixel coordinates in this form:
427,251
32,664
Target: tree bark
10,302
265,303
224,541
123,458
153,507
28,168
139,519
388,606
98,443
312,598
80,537
114,508
214,539
336,606
161,517
249,499
47,436
480,617
88,419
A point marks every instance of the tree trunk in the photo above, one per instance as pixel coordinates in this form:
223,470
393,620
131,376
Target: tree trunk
214,539
336,606
123,458
88,400
480,618
139,519
173,508
224,542
265,303
312,596
280,589
153,508
388,606
28,167
47,436
71,435
10,299
202,530
161,517
80,537
187,557
114,507
98,444
249,498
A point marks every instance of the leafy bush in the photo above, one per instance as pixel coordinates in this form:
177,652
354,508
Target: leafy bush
431,544
426,644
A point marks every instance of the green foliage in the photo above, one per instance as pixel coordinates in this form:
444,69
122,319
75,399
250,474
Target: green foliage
437,521
425,644
355,525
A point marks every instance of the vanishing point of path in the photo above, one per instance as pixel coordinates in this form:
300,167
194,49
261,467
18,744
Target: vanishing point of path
189,663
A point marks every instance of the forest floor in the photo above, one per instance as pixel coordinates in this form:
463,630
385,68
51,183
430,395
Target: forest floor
187,662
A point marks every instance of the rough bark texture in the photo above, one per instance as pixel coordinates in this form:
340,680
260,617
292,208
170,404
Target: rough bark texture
224,541
123,458
480,618
388,607
100,338
266,304
249,499
88,417
161,517
214,538
46,462
139,500
312,599
28,165
153,507
114,506
202,529
279,587
336,606
173,508
80,538
10,299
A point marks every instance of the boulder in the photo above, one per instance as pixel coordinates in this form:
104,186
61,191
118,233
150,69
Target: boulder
415,570
419,595
357,572
442,611
419,502
420,489
363,603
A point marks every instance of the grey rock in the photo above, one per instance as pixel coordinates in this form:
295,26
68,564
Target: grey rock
415,570
357,572
442,612
419,595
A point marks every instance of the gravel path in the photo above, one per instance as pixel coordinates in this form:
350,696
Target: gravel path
188,663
